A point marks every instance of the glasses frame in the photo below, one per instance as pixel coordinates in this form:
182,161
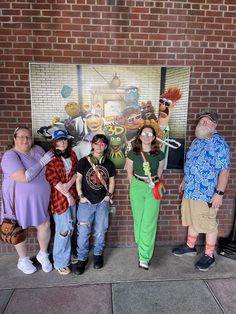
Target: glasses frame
22,137
149,134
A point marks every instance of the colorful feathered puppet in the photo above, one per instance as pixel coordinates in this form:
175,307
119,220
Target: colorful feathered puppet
167,103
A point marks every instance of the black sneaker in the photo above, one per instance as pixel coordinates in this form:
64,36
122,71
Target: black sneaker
80,267
97,261
205,263
184,250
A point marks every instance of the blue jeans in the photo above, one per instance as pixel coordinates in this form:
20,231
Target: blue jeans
64,226
88,214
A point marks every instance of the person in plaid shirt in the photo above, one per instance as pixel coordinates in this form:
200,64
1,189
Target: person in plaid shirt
61,175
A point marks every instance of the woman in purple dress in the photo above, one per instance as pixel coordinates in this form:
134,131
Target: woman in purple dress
25,164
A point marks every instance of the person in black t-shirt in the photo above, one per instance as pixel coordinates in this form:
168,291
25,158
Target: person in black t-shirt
95,186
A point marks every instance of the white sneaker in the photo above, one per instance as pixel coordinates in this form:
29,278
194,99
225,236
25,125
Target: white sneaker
26,266
143,265
63,271
44,261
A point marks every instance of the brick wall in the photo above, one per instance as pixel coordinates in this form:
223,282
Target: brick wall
200,34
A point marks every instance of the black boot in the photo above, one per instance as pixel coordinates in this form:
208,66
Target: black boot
80,267
97,261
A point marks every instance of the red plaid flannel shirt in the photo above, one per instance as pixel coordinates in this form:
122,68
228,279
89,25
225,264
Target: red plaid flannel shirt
55,173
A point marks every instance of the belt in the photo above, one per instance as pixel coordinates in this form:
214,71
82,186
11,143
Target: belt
145,180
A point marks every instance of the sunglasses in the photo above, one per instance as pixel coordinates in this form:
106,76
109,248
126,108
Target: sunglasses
132,119
149,134
164,102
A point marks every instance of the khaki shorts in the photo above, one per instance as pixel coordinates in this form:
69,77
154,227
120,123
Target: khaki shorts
199,215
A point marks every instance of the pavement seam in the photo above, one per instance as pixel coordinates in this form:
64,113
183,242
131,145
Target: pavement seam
12,292
214,295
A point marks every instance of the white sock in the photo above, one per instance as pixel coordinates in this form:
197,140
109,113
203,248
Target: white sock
44,254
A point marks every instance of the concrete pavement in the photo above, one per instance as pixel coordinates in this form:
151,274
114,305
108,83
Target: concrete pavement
172,285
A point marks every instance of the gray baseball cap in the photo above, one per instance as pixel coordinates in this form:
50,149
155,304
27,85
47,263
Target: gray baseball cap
212,115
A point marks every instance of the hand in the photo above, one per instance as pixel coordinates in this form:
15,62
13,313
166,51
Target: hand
106,199
47,157
217,200
69,184
84,200
181,187
71,200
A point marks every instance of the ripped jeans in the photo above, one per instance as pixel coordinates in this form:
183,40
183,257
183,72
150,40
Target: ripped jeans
64,226
88,214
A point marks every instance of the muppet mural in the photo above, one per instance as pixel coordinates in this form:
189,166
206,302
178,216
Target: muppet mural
120,125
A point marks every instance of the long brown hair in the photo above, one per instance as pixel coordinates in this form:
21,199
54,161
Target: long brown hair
137,143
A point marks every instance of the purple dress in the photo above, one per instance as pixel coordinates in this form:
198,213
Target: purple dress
31,198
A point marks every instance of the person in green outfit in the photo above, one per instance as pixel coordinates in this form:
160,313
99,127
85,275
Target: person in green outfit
144,206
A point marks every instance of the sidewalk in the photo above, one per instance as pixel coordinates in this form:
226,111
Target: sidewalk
172,285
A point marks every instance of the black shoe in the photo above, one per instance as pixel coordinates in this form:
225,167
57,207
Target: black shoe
184,250
205,263
97,261
80,267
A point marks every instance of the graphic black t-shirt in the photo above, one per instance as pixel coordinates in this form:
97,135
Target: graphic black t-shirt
92,188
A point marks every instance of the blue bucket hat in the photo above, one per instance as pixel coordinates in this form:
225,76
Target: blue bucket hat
59,134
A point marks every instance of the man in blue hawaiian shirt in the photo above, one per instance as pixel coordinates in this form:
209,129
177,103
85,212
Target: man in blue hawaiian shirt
206,175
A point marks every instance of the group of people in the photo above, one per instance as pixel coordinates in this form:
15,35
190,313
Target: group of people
78,193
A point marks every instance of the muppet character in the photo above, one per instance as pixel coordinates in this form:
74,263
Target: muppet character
94,124
166,106
147,110
46,131
130,118
74,125
132,97
116,135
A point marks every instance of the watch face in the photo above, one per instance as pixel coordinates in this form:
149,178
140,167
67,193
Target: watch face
220,192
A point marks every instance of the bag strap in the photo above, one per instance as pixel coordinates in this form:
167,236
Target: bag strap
13,202
145,160
103,182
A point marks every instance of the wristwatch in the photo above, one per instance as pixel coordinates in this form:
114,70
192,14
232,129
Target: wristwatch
220,192
81,195
109,194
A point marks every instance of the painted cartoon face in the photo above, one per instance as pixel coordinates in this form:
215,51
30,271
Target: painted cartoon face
166,107
116,134
72,109
94,122
132,96
147,107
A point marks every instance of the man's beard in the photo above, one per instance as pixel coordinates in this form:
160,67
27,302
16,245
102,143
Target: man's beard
204,132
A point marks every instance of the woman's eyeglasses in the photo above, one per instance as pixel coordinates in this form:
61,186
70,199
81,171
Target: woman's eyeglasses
149,134
28,138
164,102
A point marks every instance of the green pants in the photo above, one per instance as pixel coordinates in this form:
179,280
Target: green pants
145,210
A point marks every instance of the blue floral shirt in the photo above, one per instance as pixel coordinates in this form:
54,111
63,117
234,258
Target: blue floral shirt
204,162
